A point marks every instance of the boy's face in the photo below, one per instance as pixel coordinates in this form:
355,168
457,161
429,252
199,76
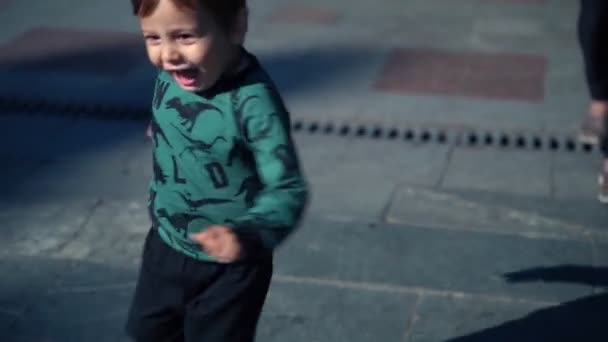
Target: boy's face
190,45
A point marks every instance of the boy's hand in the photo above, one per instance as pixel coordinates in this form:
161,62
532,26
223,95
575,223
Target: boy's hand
219,242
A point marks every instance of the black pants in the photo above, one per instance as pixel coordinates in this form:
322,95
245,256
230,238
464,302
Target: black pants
593,37
178,298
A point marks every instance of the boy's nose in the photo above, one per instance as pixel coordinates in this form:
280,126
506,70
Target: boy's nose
170,55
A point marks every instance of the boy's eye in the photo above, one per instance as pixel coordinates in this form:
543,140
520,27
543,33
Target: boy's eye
151,38
185,37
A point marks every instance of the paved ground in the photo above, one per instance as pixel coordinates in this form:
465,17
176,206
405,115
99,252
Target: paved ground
406,239
496,64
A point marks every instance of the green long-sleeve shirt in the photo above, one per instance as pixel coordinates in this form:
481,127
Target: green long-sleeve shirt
224,157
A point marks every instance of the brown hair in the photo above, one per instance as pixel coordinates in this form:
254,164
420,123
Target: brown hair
223,11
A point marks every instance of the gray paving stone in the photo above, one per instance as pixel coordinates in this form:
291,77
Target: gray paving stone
90,179
399,26
320,153
499,212
446,111
56,289
395,160
309,313
85,137
600,263
65,312
139,162
437,259
13,294
91,160
601,254
135,89
580,320
114,234
575,175
521,172
23,293
86,15
308,68
48,137
360,184
37,229
51,86
13,173
516,33
30,137
600,271
439,319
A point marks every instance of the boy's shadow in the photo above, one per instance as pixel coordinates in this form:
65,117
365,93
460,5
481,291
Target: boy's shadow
584,319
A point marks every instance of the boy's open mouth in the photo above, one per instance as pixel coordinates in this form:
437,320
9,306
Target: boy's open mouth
186,77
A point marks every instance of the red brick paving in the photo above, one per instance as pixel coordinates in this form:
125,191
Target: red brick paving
94,52
470,74
304,15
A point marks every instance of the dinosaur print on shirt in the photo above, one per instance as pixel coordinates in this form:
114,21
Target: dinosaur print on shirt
189,112
224,158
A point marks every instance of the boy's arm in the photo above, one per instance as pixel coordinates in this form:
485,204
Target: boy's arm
279,206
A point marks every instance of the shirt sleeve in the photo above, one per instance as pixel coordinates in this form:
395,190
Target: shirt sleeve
278,208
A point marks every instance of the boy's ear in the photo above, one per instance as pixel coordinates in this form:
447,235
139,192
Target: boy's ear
241,25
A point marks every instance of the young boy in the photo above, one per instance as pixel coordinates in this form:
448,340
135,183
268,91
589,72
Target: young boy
227,186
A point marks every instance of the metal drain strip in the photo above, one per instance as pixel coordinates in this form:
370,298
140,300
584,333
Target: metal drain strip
470,137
